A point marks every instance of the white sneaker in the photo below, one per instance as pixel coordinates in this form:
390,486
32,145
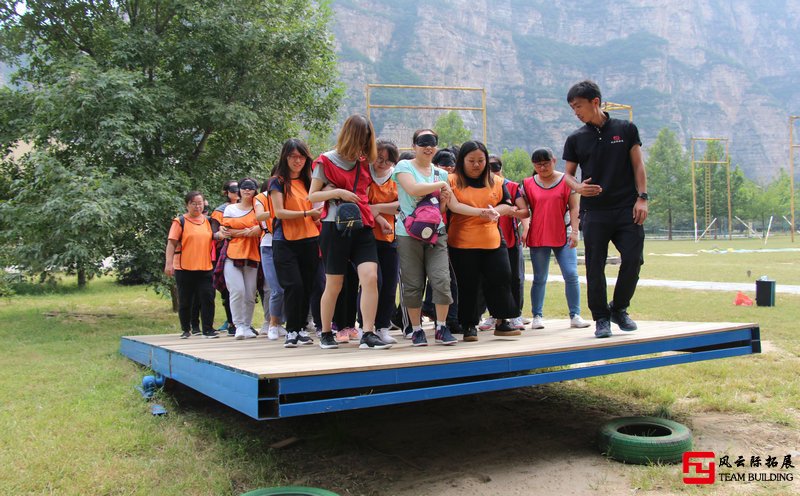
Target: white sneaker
517,323
577,321
526,320
247,334
275,332
239,333
385,337
537,323
264,331
487,324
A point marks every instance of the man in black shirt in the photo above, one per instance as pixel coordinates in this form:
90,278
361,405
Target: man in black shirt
613,202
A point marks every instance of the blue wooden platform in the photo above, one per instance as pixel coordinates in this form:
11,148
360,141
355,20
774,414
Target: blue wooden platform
262,379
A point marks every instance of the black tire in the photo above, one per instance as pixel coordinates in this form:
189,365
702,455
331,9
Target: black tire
645,440
290,491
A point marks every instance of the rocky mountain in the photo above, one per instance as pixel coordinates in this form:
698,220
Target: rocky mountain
704,68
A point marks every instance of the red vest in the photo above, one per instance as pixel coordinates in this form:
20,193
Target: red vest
340,178
508,224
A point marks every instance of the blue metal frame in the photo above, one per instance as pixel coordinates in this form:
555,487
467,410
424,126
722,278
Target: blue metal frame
269,398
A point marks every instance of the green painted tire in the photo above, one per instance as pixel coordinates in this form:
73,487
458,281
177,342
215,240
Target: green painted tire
644,440
290,491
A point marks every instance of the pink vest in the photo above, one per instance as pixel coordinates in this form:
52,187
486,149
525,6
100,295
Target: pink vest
508,224
548,207
340,178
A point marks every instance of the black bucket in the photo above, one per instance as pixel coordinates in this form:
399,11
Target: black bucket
765,293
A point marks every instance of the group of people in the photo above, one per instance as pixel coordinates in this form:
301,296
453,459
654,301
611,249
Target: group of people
334,236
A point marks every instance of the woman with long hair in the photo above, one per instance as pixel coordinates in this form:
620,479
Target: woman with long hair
342,175
241,265
294,237
191,264
477,250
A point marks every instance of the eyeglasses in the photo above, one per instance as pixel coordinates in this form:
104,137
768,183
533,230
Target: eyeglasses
197,204
296,156
542,164
495,165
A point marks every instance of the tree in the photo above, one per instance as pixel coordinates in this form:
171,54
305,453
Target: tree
668,181
516,164
451,130
129,104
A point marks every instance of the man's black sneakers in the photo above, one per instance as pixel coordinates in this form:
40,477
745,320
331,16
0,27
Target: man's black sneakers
623,320
602,328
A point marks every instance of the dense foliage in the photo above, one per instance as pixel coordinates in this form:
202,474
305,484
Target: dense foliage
129,104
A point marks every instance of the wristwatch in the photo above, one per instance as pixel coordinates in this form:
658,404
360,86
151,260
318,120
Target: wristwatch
644,196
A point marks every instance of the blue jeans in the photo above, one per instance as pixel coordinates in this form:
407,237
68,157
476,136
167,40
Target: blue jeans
275,290
567,259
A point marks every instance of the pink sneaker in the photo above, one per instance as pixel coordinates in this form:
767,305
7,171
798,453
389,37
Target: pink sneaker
343,336
354,333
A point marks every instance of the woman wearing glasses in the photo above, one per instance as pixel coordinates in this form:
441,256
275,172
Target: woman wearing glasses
551,199
188,258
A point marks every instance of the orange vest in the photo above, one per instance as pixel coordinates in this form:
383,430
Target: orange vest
301,227
243,248
468,231
385,193
194,244
264,200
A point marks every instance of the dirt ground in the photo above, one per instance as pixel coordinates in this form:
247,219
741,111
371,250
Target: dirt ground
532,441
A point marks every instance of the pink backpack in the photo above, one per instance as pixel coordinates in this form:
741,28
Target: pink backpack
423,223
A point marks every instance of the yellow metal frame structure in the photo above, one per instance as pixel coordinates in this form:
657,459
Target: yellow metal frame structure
707,179
792,146
482,108
611,106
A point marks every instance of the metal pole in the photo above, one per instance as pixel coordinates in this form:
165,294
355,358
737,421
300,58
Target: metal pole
694,195
791,170
483,106
368,107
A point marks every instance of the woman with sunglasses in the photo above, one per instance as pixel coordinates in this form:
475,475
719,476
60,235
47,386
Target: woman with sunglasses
419,259
477,249
241,264
551,199
342,175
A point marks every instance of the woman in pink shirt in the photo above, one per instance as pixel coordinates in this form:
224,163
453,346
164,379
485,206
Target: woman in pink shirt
551,200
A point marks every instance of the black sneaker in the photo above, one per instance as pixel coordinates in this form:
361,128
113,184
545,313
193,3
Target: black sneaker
623,320
231,330
408,333
212,334
503,328
602,328
196,331
444,337
455,327
370,340
186,335
303,338
291,339
327,341
418,338
471,333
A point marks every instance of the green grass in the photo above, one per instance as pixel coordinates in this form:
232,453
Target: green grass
71,422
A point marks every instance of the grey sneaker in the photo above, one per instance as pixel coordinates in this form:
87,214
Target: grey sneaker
303,338
623,320
418,338
602,328
443,336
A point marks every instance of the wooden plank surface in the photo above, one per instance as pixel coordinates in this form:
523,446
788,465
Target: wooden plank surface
269,359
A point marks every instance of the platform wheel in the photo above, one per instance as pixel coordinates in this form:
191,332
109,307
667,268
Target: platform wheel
644,440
